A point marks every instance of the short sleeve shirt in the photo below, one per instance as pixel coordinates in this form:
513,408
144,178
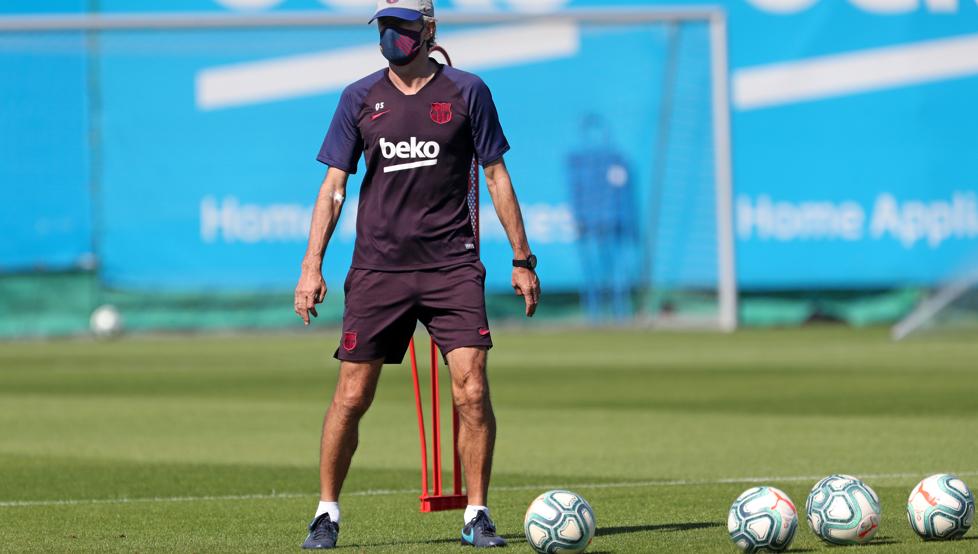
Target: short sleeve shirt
418,149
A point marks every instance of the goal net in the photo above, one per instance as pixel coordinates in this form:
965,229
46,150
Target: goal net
951,309
186,144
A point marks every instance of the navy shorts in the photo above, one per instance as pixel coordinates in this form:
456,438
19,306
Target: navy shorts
383,308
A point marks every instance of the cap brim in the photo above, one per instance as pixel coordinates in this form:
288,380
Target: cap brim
400,13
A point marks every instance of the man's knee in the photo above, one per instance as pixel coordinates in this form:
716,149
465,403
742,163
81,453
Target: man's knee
472,399
470,385
355,389
472,392
352,401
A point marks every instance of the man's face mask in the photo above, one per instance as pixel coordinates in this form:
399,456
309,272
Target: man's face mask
399,45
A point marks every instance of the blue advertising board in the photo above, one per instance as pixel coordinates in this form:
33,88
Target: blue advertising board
854,162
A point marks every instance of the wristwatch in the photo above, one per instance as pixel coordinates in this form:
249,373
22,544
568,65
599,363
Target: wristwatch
529,263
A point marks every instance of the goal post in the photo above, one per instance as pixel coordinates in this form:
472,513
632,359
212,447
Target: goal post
720,73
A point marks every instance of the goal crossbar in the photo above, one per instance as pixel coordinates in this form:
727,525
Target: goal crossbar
309,18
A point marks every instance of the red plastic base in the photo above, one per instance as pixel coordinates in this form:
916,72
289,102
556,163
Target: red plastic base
444,502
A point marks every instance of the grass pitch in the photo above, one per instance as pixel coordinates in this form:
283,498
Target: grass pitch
210,444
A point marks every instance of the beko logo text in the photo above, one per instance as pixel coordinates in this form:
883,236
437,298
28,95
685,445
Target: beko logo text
409,149
412,149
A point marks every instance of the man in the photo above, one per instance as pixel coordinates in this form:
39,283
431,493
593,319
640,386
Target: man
418,124
604,208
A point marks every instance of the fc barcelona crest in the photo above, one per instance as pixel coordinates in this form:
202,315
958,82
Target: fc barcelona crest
349,340
441,112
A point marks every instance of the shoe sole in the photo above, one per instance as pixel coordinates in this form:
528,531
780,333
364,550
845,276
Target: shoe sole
490,546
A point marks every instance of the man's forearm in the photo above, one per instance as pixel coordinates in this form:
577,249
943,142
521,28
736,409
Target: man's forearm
325,214
510,216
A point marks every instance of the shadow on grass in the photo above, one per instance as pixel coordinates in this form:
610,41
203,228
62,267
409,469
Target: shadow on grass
453,540
662,527
880,541
884,541
604,531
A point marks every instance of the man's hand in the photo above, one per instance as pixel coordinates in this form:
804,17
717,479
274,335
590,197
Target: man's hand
525,281
310,291
527,284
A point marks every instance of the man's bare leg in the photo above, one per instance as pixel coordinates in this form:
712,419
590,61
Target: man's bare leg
477,429
355,389
476,439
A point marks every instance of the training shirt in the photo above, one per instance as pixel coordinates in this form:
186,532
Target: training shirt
413,211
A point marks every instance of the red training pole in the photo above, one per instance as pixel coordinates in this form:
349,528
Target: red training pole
421,433
435,421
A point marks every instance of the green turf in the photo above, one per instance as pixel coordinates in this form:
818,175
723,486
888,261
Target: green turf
137,445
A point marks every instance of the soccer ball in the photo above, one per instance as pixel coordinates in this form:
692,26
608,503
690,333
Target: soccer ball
843,510
559,522
105,321
941,507
762,519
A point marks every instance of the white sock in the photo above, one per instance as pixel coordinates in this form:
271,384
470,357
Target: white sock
331,508
471,511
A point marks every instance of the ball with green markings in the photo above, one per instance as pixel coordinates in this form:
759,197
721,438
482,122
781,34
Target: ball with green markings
941,507
843,510
762,519
559,522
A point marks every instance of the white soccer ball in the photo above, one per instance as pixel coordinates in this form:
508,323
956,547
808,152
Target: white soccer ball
843,510
941,507
559,522
106,321
762,519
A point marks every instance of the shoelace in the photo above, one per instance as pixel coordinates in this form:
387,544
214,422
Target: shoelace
488,529
325,530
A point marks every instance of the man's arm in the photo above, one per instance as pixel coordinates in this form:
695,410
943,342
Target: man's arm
525,281
311,289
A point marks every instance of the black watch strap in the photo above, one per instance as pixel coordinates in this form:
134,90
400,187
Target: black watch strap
529,263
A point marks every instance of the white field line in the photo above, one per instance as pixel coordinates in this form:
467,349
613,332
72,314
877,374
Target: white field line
392,492
855,72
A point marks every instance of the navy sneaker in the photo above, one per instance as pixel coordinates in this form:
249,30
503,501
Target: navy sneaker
481,533
322,533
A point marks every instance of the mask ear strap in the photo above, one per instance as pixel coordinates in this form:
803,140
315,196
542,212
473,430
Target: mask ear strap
441,51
